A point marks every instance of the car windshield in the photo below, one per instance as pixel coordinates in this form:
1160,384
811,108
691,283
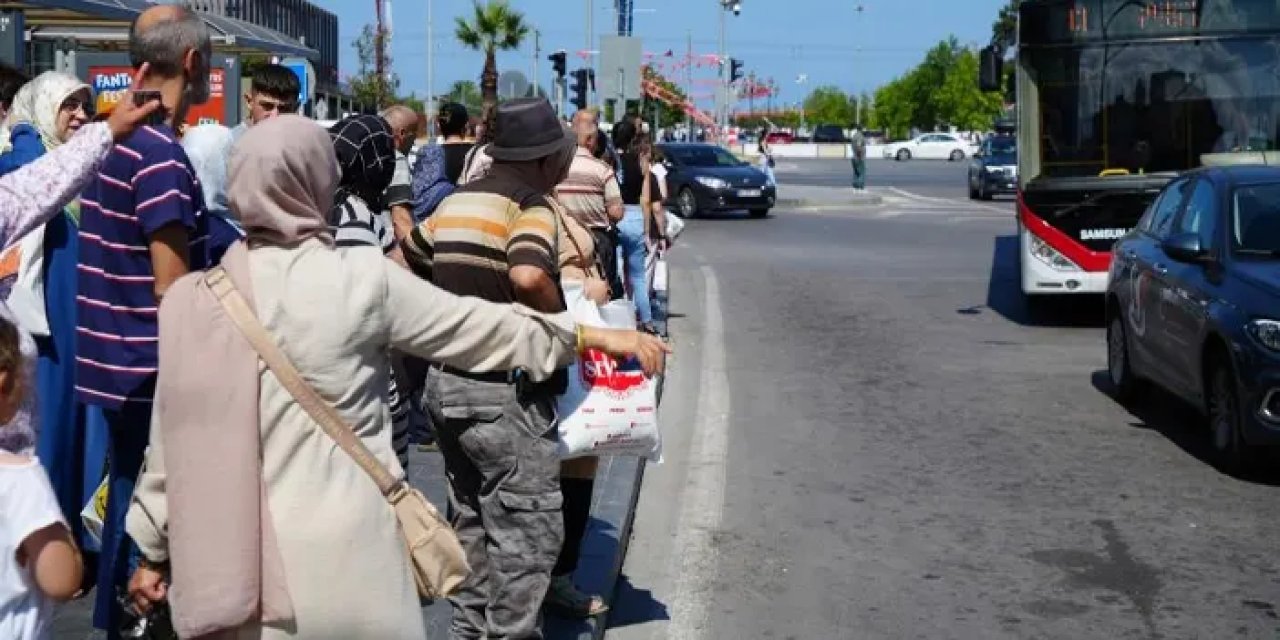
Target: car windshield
703,157
1004,146
1255,219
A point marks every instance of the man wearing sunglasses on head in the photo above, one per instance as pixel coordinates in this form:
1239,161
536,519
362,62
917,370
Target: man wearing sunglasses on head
272,91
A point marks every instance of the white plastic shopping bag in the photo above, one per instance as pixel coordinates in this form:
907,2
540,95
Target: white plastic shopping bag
675,225
659,278
609,407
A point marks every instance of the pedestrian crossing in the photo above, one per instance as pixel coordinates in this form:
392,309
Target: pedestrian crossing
900,203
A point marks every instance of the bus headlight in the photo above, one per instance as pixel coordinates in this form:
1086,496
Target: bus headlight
1050,256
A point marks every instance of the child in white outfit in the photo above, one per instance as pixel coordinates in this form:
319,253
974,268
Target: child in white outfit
39,561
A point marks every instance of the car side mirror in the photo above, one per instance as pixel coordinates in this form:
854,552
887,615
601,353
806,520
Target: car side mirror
1185,247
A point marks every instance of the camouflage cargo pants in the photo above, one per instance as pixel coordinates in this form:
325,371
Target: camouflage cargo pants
499,451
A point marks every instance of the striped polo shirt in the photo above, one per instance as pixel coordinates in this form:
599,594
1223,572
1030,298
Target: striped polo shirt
146,183
477,234
588,190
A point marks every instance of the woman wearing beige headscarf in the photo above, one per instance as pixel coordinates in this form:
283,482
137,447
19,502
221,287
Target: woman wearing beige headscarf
317,552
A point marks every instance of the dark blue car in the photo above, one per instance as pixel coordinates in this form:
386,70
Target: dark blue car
1193,305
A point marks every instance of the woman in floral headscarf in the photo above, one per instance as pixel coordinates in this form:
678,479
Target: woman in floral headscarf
40,272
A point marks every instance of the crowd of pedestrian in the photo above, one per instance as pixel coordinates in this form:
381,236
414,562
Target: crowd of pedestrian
422,303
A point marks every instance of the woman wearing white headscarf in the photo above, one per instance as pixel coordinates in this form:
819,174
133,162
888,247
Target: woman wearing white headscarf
41,271
208,146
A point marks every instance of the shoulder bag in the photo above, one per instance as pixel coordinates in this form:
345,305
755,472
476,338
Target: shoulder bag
438,562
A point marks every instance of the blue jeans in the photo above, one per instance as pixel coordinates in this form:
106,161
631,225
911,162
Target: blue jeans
631,239
128,429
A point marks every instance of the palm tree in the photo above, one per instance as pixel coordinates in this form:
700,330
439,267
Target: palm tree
495,27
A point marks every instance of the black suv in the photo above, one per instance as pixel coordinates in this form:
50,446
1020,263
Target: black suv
994,168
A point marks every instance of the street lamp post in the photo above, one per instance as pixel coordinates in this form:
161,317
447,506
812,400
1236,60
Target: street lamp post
722,96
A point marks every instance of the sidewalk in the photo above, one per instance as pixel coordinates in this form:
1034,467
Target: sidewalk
611,509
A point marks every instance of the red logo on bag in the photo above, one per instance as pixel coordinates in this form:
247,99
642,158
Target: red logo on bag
600,371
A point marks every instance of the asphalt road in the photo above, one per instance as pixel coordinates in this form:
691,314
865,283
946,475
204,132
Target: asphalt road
930,178
867,437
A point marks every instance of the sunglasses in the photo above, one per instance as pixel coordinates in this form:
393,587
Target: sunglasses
273,105
73,105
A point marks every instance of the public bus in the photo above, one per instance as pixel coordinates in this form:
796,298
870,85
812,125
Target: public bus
1114,98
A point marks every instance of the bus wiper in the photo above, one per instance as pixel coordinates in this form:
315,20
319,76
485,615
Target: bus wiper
1272,253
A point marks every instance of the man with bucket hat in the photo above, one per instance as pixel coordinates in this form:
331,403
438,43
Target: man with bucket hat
496,238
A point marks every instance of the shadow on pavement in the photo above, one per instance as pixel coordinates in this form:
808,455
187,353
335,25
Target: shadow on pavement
633,605
1166,414
1005,297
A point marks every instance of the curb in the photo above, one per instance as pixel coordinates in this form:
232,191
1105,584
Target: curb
604,548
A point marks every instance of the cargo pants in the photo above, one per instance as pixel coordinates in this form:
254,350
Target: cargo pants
499,448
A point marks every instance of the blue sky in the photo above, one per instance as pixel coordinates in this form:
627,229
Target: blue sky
828,40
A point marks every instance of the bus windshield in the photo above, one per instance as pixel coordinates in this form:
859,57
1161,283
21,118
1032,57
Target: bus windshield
1149,107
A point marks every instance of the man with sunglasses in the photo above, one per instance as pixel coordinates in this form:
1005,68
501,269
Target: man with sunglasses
272,91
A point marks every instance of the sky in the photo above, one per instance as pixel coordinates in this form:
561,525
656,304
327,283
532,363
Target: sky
828,41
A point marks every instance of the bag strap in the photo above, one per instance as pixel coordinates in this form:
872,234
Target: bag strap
322,412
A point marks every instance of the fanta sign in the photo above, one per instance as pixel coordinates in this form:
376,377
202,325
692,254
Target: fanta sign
111,82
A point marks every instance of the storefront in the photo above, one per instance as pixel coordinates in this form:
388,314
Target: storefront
90,39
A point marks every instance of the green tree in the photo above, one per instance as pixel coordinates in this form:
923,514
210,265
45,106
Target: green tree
894,109
669,113
414,102
828,105
1004,31
494,27
367,85
467,94
959,103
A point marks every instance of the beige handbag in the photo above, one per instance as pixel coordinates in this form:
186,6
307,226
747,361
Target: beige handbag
438,561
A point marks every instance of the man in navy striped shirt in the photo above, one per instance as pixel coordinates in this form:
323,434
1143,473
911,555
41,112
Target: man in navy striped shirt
142,227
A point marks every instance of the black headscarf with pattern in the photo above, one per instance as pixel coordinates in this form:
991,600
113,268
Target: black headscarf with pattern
367,156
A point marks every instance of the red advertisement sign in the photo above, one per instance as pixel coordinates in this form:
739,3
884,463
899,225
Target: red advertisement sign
110,82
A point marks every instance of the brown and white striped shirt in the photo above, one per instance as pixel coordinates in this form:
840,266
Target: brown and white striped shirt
589,190
477,234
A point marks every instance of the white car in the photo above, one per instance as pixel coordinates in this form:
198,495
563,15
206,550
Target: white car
932,146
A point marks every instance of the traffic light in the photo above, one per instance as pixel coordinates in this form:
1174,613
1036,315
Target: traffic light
579,88
558,63
735,70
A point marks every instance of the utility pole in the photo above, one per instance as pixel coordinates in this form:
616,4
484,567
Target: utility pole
537,53
722,93
688,89
591,36
380,55
431,73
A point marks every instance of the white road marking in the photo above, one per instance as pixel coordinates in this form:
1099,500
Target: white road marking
929,202
702,505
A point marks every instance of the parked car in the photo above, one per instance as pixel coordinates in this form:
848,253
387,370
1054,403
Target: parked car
994,169
1193,305
779,137
932,146
874,136
829,133
705,177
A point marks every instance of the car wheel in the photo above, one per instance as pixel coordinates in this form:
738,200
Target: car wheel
759,213
957,155
973,191
983,194
1125,385
688,203
1231,452
903,155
